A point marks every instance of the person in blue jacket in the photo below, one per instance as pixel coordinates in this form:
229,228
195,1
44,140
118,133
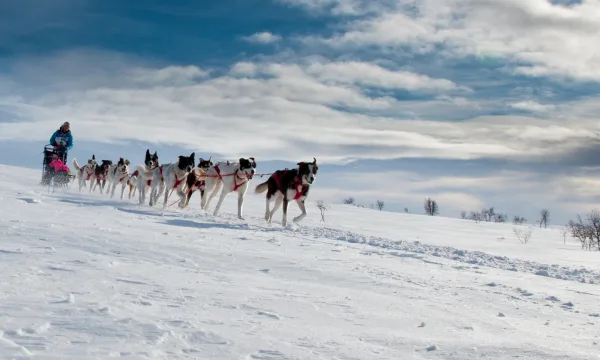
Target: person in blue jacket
62,140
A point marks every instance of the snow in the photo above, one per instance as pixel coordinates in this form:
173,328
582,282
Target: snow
83,276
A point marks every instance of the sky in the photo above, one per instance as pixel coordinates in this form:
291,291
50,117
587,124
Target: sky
474,103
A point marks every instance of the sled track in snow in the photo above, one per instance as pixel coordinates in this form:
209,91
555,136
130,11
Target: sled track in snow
476,258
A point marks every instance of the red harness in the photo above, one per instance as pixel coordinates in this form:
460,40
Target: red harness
177,181
235,184
298,186
82,170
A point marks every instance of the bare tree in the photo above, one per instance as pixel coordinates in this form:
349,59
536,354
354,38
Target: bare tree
564,232
476,216
323,208
588,232
488,214
349,201
431,207
522,234
463,214
380,204
519,220
500,218
545,216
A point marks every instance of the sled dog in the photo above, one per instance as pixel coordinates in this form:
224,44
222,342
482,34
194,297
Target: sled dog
85,172
286,185
232,176
196,180
144,177
169,177
101,174
120,175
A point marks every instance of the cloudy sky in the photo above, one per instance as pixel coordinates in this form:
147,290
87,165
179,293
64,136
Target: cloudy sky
472,102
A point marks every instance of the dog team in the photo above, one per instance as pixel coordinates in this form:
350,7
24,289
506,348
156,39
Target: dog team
184,178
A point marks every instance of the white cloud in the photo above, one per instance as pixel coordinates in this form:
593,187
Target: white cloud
553,40
532,106
263,38
368,74
170,75
281,111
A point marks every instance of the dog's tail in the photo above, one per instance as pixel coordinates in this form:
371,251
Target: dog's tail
261,188
76,165
143,172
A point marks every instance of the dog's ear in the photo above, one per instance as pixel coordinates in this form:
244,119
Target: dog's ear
148,152
315,161
193,155
93,156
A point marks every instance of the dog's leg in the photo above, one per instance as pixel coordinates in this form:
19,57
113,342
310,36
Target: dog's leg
286,202
268,198
188,196
153,196
224,193
123,185
216,188
278,202
166,197
241,192
302,207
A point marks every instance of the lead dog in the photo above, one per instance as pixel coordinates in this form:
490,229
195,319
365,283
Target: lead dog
86,172
120,175
171,176
145,174
285,185
232,176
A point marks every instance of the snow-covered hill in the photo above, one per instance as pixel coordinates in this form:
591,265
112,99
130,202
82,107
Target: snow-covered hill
86,277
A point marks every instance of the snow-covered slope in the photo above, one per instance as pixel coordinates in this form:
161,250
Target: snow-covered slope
86,277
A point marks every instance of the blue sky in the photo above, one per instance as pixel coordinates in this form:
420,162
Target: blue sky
474,103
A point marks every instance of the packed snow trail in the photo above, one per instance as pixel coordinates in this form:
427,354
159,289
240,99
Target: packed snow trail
86,277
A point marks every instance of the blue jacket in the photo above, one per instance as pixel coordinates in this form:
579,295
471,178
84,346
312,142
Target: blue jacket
58,136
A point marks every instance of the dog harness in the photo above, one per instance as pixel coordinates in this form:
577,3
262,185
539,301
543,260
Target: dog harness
82,169
177,181
235,184
299,186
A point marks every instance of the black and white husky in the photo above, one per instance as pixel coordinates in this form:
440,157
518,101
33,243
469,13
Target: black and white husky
169,177
232,176
101,174
85,172
144,174
120,175
196,180
287,185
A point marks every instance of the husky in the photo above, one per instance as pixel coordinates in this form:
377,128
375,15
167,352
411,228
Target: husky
120,175
169,177
286,185
232,176
86,172
144,177
101,173
196,180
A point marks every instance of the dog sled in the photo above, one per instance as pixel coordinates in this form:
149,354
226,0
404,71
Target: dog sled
51,177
